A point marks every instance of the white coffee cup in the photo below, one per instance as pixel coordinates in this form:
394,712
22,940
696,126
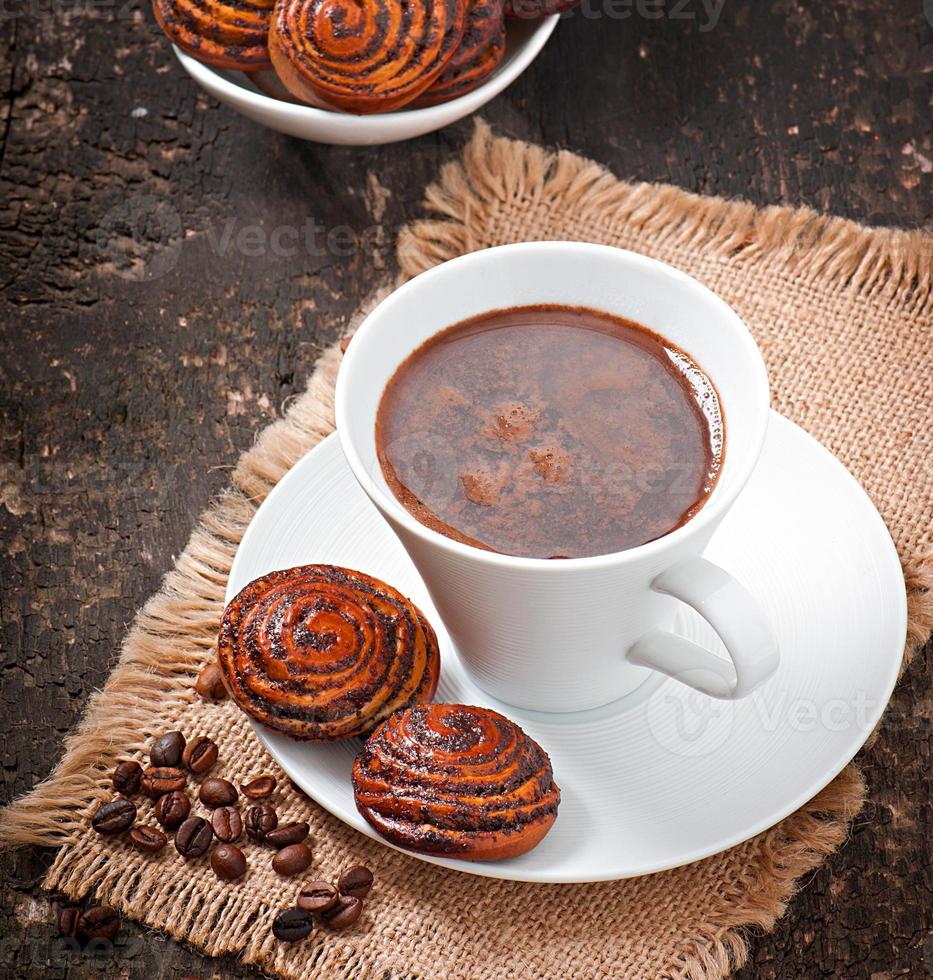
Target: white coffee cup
573,634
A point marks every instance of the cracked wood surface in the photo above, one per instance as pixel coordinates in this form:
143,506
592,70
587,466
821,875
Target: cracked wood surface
169,273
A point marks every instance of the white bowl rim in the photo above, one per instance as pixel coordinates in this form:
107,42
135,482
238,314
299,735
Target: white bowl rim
434,116
720,500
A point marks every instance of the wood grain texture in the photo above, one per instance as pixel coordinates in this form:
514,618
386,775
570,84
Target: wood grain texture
169,273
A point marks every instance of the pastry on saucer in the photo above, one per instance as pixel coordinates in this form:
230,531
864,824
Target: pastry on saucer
455,780
321,653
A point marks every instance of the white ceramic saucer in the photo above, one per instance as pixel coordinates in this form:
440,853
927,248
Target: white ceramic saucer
665,776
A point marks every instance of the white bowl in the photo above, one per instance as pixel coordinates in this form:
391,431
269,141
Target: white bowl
524,40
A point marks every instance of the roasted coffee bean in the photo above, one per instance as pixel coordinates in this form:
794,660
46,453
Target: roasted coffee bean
298,790
126,777
287,833
258,788
292,860
69,921
227,824
148,839
318,896
99,922
172,809
200,755
167,749
193,838
291,925
228,862
114,817
217,792
158,780
210,683
355,881
347,910
259,821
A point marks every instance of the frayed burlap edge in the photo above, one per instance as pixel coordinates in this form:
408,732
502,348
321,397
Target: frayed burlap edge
496,174
174,633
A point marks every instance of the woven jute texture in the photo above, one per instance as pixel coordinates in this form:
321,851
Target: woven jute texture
844,316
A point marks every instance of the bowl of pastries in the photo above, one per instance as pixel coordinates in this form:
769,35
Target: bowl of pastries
356,72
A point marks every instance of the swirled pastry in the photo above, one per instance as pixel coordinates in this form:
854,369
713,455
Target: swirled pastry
322,653
223,33
457,781
363,55
479,53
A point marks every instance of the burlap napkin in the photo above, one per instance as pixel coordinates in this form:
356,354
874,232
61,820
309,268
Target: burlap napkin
844,316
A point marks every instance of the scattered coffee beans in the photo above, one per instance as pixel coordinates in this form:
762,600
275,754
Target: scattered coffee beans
285,834
193,838
210,683
318,896
99,922
227,824
355,881
148,839
292,860
172,809
167,749
217,792
292,925
259,821
69,921
114,817
347,910
338,905
126,777
200,755
258,788
228,862
158,780
298,790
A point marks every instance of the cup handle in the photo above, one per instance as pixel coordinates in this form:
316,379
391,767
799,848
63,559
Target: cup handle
732,612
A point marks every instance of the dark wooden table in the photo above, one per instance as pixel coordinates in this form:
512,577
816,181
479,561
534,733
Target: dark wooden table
134,371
